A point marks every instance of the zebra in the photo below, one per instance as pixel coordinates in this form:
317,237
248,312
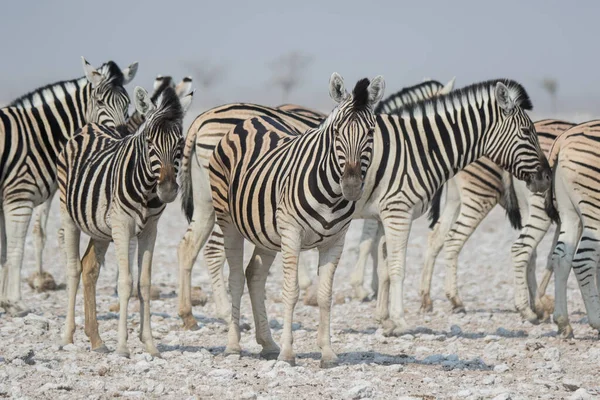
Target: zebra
34,129
573,204
471,195
114,188
424,146
203,136
288,192
42,212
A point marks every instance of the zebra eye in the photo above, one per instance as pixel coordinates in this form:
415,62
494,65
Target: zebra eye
100,102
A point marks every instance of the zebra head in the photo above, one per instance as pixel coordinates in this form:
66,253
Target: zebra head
353,123
515,145
108,101
163,136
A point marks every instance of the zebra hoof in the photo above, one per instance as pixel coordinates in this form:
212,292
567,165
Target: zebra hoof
123,353
331,363
566,332
102,349
269,354
459,309
232,350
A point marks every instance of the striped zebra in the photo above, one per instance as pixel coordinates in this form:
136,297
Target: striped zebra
372,230
114,188
573,202
203,136
39,232
424,147
286,191
470,196
33,130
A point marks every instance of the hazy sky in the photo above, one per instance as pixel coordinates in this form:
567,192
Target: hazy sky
403,40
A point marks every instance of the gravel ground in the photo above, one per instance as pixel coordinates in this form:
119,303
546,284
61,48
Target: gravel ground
486,353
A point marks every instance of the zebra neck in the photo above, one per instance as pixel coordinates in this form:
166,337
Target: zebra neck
329,174
141,172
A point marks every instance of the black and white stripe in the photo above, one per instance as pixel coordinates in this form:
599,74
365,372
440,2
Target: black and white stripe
114,187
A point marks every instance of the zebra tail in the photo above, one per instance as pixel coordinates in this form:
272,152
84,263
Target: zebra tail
549,200
510,202
434,210
187,192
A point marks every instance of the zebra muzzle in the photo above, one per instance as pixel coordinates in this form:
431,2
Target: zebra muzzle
167,184
352,182
539,181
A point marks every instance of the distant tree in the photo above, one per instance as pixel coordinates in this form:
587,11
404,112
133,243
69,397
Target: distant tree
551,86
288,71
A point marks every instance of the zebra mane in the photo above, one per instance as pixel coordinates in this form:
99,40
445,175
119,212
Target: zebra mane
165,81
169,107
403,96
484,91
110,70
360,95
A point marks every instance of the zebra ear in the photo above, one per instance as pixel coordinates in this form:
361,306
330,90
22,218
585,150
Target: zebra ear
447,88
94,77
376,90
158,81
186,100
337,91
184,87
503,97
129,73
142,101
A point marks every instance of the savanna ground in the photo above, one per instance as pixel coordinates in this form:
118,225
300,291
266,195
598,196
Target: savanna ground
486,353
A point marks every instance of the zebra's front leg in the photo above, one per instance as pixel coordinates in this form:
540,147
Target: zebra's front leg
328,260
367,239
122,233
397,226
17,217
383,293
544,304
214,256
71,235
234,250
291,244
39,232
435,243
256,276
146,240
91,263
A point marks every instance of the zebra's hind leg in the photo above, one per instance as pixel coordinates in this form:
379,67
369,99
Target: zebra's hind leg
369,231
90,264
41,280
146,240
584,265
214,256
234,250
328,261
544,304
17,217
256,276
71,235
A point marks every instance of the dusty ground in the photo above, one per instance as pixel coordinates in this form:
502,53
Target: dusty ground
487,353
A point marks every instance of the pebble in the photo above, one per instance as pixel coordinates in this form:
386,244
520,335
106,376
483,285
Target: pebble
501,368
503,396
571,385
581,394
222,374
552,354
360,391
464,393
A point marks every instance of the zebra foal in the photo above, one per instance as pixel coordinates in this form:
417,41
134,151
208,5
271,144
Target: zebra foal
33,131
288,192
114,188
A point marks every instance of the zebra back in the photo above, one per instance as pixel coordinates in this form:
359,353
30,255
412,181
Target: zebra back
412,94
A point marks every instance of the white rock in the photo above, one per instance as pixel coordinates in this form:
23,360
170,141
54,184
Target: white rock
360,391
491,338
464,393
503,396
70,347
37,321
501,368
248,396
552,354
222,374
159,389
581,394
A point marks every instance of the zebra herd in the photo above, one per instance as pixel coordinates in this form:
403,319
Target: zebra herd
289,179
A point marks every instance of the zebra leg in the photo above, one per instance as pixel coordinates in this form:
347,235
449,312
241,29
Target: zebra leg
468,219
561,260
522,252
4,270
303,276
377,259
71,235
234,250
357,278
214,256
121,233
532,280
201,226
17,218
145,241
328,260
256,276
584,265
291,243
383,293
39,232
544,304
90,266
397,229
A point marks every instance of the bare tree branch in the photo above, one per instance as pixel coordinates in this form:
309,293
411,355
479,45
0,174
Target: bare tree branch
288,71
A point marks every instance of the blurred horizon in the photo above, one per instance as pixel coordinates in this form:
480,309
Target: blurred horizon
242,51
